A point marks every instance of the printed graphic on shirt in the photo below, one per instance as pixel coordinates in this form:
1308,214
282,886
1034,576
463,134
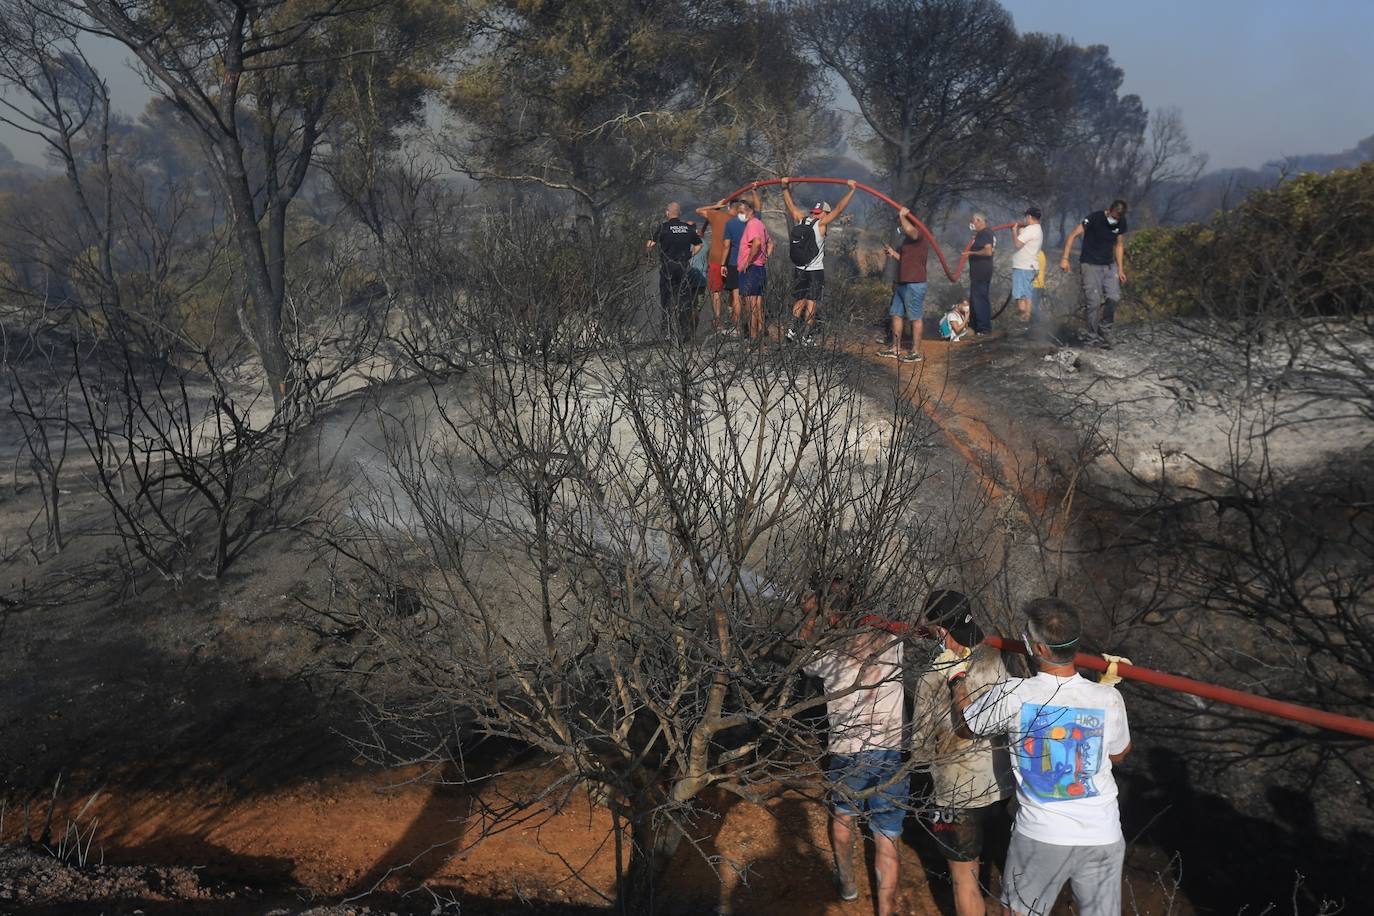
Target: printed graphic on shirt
1061,751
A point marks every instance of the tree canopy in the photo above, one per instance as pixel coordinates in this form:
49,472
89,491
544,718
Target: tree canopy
957,101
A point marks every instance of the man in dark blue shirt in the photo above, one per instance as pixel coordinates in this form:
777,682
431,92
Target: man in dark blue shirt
1102,265
980,274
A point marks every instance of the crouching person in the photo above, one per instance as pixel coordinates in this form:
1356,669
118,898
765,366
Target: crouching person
862,676
972,778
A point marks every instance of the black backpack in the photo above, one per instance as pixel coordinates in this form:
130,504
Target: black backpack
803,246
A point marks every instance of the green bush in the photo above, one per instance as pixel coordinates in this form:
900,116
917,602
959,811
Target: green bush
1304,247
1161,281
869,295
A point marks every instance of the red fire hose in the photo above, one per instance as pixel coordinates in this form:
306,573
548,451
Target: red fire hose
952,274
1360,728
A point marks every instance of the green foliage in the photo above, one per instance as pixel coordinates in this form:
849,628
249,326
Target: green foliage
603,99
957,100
1159,261
870,295
1305,247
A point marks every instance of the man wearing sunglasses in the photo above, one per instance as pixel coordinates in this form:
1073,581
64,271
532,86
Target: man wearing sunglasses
1066,733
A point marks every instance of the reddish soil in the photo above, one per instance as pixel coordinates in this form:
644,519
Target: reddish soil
346,835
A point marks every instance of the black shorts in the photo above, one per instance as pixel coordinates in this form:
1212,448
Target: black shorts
809,284
961,833
731,276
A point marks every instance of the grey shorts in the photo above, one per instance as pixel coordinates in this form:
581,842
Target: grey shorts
1035,872
1100,282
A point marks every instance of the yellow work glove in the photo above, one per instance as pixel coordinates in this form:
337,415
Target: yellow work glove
1109,677
953,664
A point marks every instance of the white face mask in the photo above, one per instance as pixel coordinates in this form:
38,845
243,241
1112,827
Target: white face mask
1111,221
744,217
972,228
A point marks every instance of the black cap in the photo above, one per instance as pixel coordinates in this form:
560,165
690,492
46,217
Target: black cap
954,611
1033,211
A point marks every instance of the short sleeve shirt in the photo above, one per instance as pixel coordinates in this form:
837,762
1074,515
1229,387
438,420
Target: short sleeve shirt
1061,731
1099,238
869,716
980,265
698,261
967,774
734,231
911,266
676,240
754,229
1026,257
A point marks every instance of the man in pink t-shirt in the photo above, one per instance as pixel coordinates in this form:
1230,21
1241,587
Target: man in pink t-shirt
755,247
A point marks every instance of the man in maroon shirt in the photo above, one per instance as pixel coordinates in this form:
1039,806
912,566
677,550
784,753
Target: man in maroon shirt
909,294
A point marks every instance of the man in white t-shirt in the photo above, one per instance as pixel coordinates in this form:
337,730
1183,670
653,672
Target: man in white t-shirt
1025,262
1065,734
862,676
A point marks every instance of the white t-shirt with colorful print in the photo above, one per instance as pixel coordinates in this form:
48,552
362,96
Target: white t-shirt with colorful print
1061,731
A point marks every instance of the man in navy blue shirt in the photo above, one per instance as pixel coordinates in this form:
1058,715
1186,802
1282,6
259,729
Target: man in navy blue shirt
1102,265
980,274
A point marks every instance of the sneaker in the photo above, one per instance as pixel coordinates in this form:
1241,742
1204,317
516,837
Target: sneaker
912,358
808,341
791,334
889,353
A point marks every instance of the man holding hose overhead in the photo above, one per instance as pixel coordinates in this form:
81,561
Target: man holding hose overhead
807,251
909,292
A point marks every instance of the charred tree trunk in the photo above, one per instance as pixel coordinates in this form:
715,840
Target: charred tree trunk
652,848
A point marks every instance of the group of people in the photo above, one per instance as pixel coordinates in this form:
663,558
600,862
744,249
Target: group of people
1050,739
730,256
738,247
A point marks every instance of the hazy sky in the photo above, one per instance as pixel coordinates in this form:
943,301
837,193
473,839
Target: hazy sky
1256,79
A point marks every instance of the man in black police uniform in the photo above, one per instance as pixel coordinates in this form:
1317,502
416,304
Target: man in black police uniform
1102,264
676,242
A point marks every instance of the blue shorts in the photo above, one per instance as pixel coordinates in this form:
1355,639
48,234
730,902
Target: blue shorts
1022,282
752,281
851,776
908,301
